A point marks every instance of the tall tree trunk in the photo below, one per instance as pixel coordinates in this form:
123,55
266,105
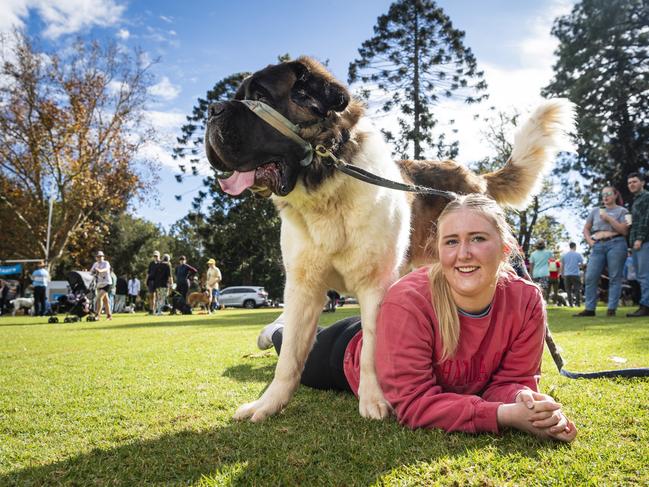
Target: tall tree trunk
417,114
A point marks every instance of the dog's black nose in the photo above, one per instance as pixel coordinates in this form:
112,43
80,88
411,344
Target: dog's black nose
215,109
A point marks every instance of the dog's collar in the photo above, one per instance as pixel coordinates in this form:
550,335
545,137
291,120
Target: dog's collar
282,124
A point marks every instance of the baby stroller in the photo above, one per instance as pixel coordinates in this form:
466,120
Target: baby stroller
79,301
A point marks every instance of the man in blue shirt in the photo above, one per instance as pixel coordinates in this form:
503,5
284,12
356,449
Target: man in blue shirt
40,280
571,263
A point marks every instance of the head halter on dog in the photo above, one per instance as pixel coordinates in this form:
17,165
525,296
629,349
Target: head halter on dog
282,124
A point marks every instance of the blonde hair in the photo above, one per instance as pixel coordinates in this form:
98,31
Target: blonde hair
442,298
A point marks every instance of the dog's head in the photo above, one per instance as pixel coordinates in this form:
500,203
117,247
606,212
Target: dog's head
261,157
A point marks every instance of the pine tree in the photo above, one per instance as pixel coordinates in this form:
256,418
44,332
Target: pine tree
603,66
417,58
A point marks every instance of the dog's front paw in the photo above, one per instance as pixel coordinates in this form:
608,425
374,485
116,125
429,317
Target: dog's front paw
271,402
252,411
371,403
256,411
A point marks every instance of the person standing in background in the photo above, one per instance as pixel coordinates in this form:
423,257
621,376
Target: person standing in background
101,269
162,282
639,240
4,292
539,267
111,290
604,231
632,278
571,264
150,281
133,290
212,282
183,274
121,290
554,266
40,280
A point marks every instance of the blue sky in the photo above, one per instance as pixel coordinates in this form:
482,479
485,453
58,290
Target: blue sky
200,42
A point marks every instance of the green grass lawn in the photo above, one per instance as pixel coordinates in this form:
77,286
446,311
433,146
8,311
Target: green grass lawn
149,400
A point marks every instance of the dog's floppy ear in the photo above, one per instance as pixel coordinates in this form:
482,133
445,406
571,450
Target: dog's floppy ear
317,90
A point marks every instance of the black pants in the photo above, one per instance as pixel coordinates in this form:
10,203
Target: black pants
182,287
39,300
573,288
324,365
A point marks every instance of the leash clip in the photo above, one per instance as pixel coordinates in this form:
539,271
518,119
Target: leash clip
325,153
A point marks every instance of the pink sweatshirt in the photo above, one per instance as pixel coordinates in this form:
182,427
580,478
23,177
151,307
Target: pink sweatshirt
497,356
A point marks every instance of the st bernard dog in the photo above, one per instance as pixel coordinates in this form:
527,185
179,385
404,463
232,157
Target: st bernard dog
338,232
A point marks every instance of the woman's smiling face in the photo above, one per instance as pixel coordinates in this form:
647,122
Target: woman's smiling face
470,252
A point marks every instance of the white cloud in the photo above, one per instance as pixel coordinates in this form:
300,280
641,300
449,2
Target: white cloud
145,58
166,126
165,89
123,34
165,122
11,13
69,16
61,16
538,48
169,20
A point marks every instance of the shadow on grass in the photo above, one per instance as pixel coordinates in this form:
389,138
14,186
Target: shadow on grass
233,320
307,445
250,373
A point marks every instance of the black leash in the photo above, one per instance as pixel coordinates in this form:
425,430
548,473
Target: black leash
368,177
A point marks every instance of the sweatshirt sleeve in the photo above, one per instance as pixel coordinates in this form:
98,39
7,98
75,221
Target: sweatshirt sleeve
404,364
520,367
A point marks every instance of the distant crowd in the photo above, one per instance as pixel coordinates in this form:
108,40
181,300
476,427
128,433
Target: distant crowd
173,289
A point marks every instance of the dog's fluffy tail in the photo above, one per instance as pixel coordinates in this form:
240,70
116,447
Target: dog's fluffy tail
536,144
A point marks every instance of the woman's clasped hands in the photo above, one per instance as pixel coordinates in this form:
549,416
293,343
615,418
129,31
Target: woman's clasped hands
538,414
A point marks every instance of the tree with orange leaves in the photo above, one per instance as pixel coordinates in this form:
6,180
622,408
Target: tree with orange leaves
71,125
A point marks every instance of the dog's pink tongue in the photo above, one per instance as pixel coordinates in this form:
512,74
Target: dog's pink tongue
238,182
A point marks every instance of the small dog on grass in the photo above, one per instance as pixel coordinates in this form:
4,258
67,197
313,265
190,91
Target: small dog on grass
196,299
26,304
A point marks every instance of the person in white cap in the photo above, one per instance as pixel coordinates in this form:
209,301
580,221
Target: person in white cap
212,281
101,269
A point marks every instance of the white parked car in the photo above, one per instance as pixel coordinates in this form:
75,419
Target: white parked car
244,297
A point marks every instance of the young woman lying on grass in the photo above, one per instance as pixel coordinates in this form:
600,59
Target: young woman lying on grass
459,343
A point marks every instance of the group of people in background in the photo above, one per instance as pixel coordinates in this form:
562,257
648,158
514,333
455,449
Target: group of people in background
167,288
114,293
548,268
160,281
606,231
